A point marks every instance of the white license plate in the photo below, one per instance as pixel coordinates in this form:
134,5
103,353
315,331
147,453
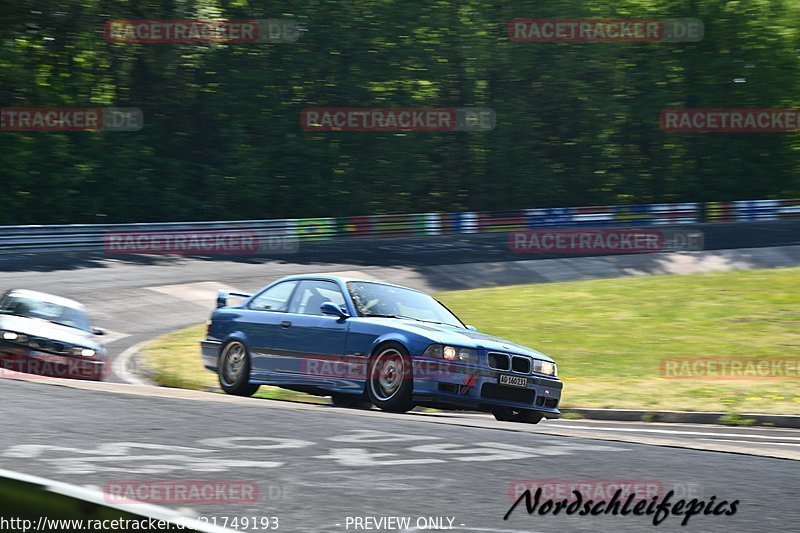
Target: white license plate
513,381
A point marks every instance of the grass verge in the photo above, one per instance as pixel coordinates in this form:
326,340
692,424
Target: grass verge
608,337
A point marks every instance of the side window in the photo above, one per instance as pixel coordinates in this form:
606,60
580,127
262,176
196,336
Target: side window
275,298
312,294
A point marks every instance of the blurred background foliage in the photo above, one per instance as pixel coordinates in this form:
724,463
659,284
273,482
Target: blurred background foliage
577,123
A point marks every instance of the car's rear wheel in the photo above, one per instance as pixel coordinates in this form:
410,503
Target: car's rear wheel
508,414
389,382
233,369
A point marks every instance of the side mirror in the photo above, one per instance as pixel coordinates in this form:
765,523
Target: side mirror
98,331
330,308
471,328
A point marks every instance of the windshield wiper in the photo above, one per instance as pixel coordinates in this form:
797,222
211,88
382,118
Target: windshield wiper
397,316
12,313
434,322
60,323
412,318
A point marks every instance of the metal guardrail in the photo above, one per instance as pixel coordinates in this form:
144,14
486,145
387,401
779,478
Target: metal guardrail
284,234
752,210
95,237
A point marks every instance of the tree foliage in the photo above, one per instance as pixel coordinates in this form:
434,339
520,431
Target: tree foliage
577,123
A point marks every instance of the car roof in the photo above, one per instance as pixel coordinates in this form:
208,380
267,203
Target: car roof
45,297
343,279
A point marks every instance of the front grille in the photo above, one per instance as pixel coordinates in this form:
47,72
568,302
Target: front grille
521,365
515,363
499,361
48,345
509,394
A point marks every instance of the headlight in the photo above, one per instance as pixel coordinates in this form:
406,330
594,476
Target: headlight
468,355
452,353
544,367
15,337
434,350
85,352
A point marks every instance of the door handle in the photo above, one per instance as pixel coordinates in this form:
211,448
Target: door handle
286,324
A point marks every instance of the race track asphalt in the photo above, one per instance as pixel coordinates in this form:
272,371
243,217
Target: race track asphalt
315,466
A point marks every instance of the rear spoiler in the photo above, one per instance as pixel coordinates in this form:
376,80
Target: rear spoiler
222,297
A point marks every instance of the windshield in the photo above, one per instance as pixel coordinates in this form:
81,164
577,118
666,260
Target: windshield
32,308
377,299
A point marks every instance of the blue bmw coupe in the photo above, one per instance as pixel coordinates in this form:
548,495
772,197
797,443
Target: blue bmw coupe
360,340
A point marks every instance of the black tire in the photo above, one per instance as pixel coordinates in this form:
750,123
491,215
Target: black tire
234,375
350,400
389,379
524,416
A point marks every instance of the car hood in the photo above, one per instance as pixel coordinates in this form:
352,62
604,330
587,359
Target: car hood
443,334
37,327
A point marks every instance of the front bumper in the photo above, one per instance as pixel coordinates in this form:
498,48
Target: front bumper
28,361
465,386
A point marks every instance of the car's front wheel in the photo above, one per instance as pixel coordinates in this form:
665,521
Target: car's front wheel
233,369
389,382
525,416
